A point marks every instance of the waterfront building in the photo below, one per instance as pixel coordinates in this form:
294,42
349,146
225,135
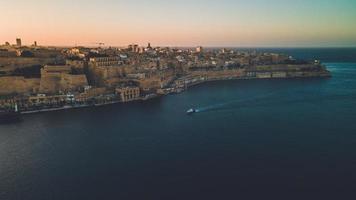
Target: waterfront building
42,99
279,74
105,61
263,75
128,93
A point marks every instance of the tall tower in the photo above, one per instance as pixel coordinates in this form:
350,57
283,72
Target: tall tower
18,42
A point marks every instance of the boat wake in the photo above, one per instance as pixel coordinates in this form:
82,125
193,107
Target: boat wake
267,101
229,104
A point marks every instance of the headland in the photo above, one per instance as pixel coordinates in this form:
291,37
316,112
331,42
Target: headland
40,79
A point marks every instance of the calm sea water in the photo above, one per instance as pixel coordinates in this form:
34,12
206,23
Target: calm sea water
251,139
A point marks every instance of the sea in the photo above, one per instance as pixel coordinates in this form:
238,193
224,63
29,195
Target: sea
250,139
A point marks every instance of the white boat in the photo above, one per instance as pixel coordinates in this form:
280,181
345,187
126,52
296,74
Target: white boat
191,111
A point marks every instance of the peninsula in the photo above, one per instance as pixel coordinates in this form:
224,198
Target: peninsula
37,78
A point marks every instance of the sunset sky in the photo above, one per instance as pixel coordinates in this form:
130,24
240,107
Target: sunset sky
272,23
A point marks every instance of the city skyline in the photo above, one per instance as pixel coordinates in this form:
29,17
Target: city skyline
227,23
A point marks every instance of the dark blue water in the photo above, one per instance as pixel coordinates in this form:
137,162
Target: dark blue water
260,139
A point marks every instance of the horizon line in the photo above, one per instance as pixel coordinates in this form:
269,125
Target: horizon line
183,46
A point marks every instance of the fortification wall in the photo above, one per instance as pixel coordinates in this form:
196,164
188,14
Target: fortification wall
19,62
219,74
62,82
74,81
18,84
50,84
153,82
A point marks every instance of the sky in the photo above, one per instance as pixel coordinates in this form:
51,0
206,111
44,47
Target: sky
218,23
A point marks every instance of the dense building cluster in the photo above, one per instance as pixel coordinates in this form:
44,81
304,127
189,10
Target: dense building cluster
38,76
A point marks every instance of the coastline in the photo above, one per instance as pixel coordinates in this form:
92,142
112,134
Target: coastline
175,90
